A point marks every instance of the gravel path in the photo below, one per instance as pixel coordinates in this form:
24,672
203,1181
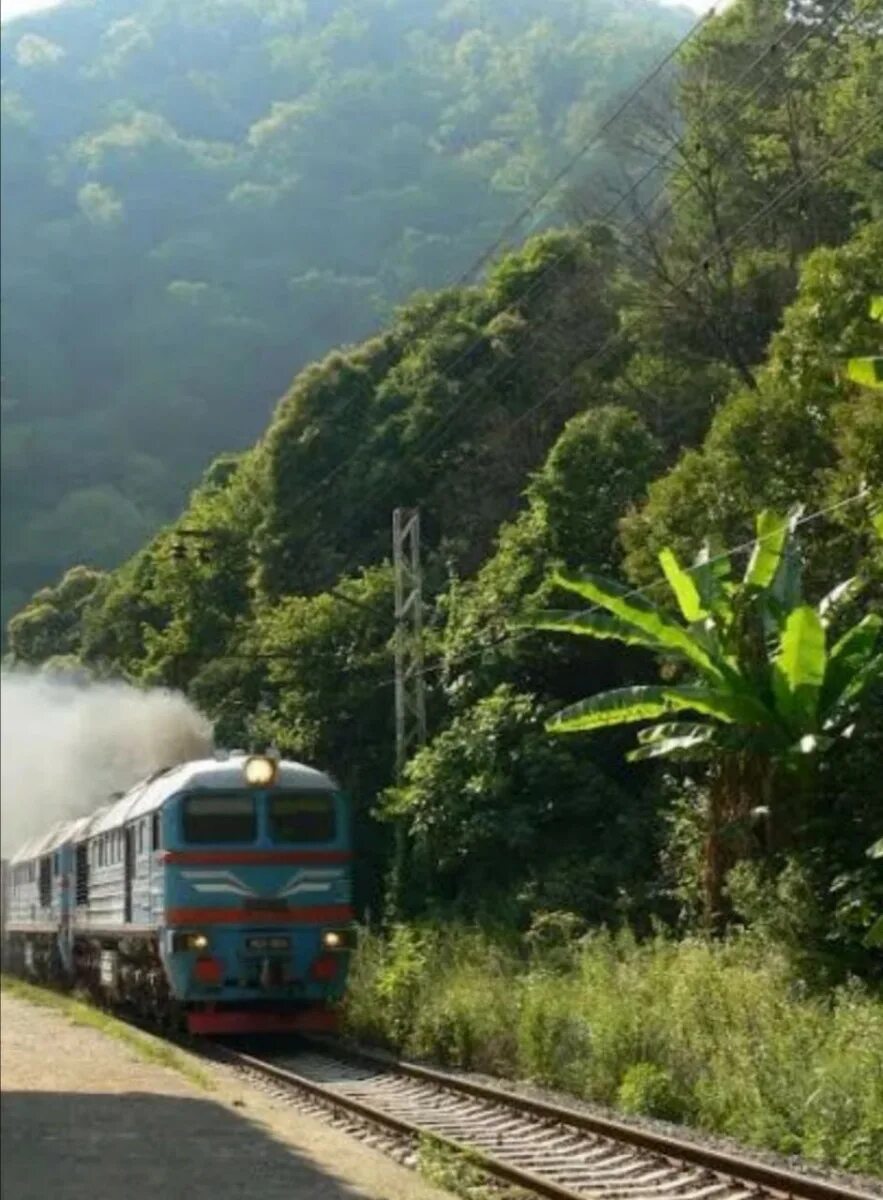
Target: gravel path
83,1118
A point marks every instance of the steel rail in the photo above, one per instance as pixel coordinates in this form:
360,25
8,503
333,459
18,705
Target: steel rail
376,1116
730,1167
733,1166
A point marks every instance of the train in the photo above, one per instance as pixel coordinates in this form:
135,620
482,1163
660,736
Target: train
212,897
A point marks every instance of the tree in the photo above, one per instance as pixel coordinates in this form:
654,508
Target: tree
756,662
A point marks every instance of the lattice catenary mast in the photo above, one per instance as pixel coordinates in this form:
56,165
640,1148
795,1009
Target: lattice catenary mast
410,692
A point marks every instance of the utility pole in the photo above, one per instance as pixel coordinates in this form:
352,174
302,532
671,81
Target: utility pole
410,694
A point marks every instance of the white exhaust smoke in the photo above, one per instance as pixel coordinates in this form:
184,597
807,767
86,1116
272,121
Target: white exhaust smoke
67,745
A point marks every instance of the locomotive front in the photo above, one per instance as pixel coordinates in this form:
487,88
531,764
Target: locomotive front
257,897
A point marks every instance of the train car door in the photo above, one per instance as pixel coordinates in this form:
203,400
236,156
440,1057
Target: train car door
129,868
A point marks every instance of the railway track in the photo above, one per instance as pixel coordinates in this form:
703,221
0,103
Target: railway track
545,1149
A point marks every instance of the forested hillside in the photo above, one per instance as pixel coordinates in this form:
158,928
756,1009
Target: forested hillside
605,393
200,198
678,410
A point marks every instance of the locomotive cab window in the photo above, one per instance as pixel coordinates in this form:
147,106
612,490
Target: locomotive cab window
302,817
220,819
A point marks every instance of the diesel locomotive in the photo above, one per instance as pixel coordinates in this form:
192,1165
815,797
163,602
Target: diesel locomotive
215,895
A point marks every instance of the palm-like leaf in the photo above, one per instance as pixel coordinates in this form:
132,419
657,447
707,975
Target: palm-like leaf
683,741
772,531
635,610
684,587
852,663
799,667
866,371
589,624
711,571
830,605
623,706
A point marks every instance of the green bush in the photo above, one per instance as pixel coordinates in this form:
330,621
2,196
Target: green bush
649,1090
722,1035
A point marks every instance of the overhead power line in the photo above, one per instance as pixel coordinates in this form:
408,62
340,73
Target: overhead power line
645,590
506,369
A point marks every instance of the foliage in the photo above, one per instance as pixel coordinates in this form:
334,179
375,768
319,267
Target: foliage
599,466
805,431
51,623
750,1053
230,189
500,818
774,688
603,392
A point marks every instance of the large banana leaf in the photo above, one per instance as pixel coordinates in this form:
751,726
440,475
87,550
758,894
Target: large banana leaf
624,706
635,610
687,743
870,671
830,605
684,587
848,662
589,624
711,571
866,371
799,668
772,531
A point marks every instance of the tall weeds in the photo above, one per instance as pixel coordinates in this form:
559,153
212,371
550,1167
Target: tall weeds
720,1035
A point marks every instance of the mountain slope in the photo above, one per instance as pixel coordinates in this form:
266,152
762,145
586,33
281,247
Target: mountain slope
198,199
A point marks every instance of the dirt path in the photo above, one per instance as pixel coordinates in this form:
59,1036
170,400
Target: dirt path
83,1118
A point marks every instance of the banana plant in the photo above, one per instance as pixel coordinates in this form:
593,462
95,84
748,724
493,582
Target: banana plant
765,681
869,371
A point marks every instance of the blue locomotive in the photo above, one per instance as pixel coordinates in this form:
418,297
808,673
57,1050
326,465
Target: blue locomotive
215,894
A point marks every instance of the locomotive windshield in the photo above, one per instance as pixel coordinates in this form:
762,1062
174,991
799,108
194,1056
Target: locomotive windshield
302,817
220,819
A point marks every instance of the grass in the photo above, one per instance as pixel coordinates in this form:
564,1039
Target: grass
721,1036
149,1049
461,1174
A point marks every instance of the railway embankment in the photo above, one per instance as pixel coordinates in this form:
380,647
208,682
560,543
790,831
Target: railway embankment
97,1112
723,1041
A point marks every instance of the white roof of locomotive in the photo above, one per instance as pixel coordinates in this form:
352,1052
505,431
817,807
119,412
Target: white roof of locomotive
150,794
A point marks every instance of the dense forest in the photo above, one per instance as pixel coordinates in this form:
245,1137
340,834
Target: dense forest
610,390
199,199
662,429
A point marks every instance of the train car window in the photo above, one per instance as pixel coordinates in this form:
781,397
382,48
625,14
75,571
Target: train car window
56,864
45,882
155,838
301,817
220,819
140,837
81,874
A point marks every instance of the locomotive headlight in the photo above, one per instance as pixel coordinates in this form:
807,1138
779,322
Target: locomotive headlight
260,771
339,939
189,941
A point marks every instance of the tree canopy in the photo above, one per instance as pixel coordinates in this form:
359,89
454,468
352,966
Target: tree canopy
199,200
610,390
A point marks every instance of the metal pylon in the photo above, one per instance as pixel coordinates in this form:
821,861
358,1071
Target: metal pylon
410,685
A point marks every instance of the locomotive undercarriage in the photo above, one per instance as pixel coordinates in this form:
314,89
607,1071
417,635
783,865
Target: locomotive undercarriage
123,973
126,972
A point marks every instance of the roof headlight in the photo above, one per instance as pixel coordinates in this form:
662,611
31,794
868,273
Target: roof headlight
259,770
